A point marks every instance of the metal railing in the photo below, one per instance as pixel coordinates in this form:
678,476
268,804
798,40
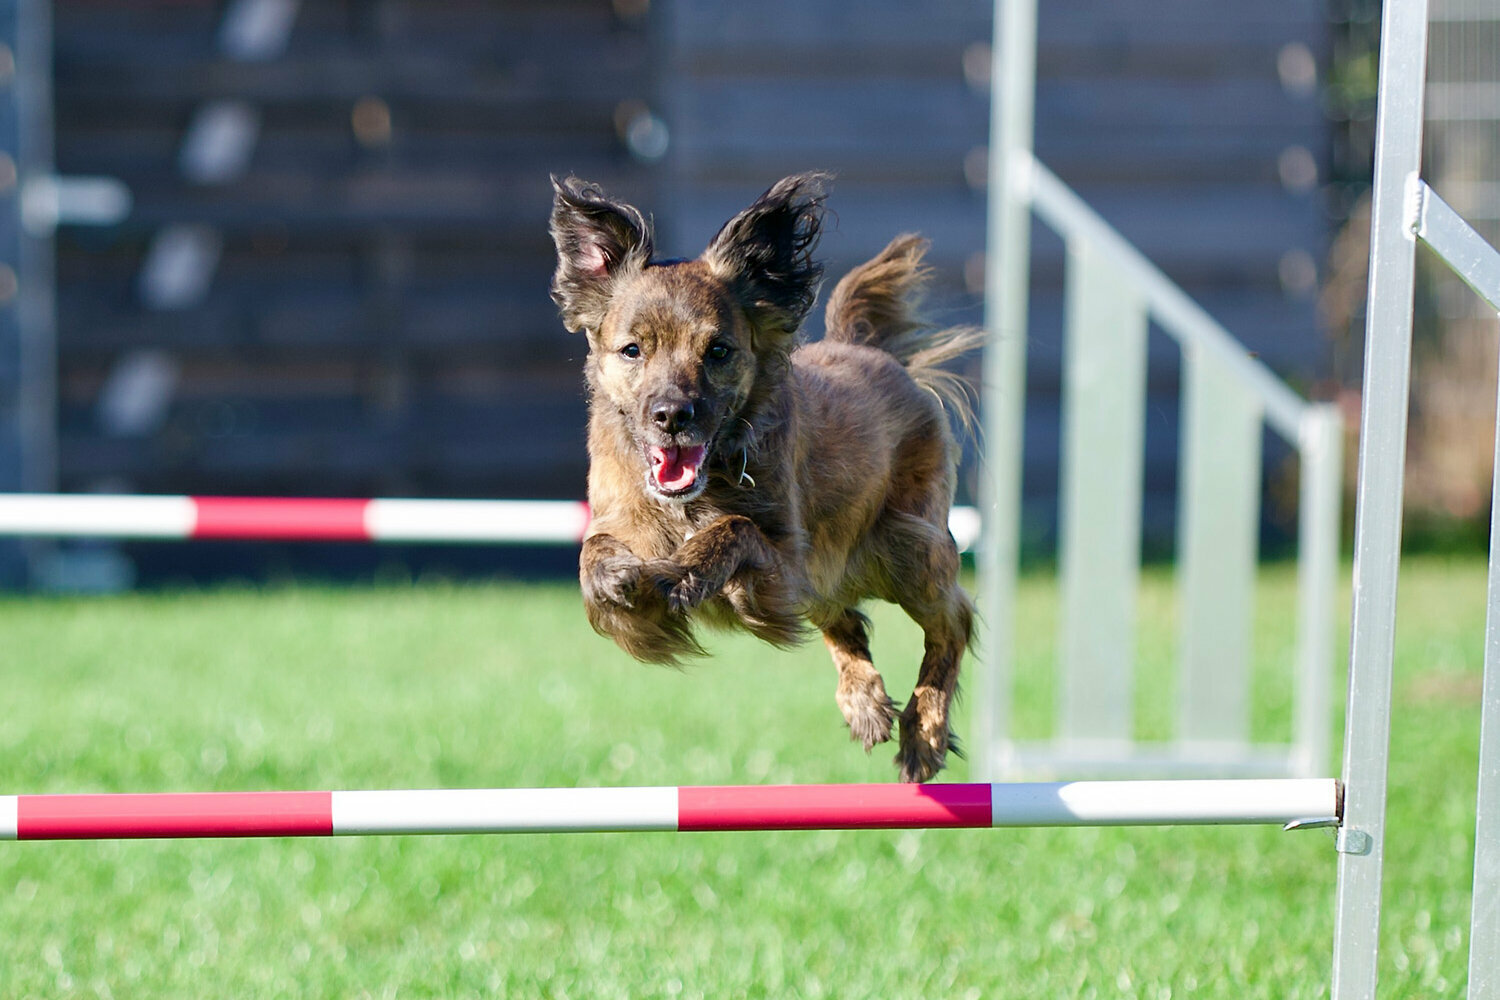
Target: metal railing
1111,294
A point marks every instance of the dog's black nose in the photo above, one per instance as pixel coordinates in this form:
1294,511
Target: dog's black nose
673,417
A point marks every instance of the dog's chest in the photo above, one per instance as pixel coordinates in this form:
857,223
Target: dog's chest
666,528
674,524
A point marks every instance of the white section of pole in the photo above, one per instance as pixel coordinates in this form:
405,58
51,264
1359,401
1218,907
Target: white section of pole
1165,803
96,514
505,810
476,520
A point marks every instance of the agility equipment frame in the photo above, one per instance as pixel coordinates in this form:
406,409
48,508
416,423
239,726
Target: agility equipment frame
1404,211
1111,295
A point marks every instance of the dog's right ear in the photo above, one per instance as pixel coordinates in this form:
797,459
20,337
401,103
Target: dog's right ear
597,241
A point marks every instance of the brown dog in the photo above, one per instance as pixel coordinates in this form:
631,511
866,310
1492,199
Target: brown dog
739,477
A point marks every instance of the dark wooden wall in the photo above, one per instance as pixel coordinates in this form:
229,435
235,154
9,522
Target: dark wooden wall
378,321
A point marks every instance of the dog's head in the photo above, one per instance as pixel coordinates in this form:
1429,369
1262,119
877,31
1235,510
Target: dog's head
676,347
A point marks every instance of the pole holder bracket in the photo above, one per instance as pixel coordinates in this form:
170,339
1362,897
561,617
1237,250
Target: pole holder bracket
1353,841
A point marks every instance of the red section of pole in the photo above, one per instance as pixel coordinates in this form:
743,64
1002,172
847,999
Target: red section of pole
284,518
833,807
192,814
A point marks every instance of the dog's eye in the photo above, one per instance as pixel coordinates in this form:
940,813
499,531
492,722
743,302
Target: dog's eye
718,352
631,351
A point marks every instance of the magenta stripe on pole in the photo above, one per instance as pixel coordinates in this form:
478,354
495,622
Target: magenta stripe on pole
832,807
291,518
191,814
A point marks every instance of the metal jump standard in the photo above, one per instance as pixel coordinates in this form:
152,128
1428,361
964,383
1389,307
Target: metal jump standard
1214,547
1404,211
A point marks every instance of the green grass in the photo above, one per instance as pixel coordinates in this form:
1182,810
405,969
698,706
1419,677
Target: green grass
504,685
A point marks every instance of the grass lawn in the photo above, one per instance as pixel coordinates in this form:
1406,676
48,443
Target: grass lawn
504,685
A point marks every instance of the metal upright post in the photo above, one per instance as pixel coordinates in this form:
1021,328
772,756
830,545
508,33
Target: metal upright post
1007,282
1484,918
1382,466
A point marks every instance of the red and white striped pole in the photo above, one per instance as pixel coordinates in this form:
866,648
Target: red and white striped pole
1299,801
292,518
327,519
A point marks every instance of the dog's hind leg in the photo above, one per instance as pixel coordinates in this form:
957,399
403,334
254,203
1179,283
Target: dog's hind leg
926,587
925,735
861,692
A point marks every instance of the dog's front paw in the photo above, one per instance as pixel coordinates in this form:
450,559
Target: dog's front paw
681,588
613,580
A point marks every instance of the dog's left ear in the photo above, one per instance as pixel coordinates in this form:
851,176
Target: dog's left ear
598,240
765,254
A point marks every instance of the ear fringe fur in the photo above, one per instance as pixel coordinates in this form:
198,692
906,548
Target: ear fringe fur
766,252
597,238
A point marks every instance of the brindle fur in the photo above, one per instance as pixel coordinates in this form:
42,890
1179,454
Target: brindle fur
830,465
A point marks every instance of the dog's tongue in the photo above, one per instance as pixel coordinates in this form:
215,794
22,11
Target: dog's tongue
676,468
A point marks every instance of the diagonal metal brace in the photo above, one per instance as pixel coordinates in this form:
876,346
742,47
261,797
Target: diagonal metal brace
1467,253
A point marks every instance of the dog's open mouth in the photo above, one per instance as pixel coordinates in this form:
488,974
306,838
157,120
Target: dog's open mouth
676,469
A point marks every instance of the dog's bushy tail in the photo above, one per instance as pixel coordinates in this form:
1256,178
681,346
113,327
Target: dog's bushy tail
878,304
